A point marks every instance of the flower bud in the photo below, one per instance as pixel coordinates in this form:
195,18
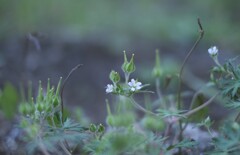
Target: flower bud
40,107
207,121
213,51
118,120
128,67
92,128
235,126
34,130
26,109
157,72
125,61
101,128
114,76
40,92
153,123
24,123
110,120
56,102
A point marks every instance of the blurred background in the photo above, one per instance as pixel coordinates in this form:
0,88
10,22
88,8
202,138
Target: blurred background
46,39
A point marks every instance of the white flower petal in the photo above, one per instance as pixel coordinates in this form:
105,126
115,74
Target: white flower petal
109,88
130,84
138,87
134,85
138,84
213,51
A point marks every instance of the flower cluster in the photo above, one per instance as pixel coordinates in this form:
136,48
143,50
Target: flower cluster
133,86
129,87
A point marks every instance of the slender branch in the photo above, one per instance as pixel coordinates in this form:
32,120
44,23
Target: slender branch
201,33
141,108
159,93
63,85
126,77
197,93
201,106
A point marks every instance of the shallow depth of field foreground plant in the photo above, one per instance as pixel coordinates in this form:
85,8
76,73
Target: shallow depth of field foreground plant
168,125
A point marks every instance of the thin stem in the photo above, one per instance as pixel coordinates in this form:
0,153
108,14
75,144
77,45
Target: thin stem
201,33
197,93
201,106
209,131
159,93
217,62
167,131
141,108
53,123
126,77
64,83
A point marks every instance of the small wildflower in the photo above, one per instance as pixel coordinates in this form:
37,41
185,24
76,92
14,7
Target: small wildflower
213,51
134,85
109,88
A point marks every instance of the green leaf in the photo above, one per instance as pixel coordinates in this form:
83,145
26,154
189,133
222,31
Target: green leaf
186,143
8,100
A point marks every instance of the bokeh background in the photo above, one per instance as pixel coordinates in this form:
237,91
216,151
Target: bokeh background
46,39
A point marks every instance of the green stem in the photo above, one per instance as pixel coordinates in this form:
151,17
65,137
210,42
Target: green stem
126,78
209,131
140,107
62,88
197,93
217,62
184,62
201,33
201,106
159,93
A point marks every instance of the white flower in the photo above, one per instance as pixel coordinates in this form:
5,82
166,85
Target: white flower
134,85
109,88
213,51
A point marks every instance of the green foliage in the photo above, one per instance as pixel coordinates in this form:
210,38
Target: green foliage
126,141
186,143
229,83
153,123
228,140
161,130
8,100
42,122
